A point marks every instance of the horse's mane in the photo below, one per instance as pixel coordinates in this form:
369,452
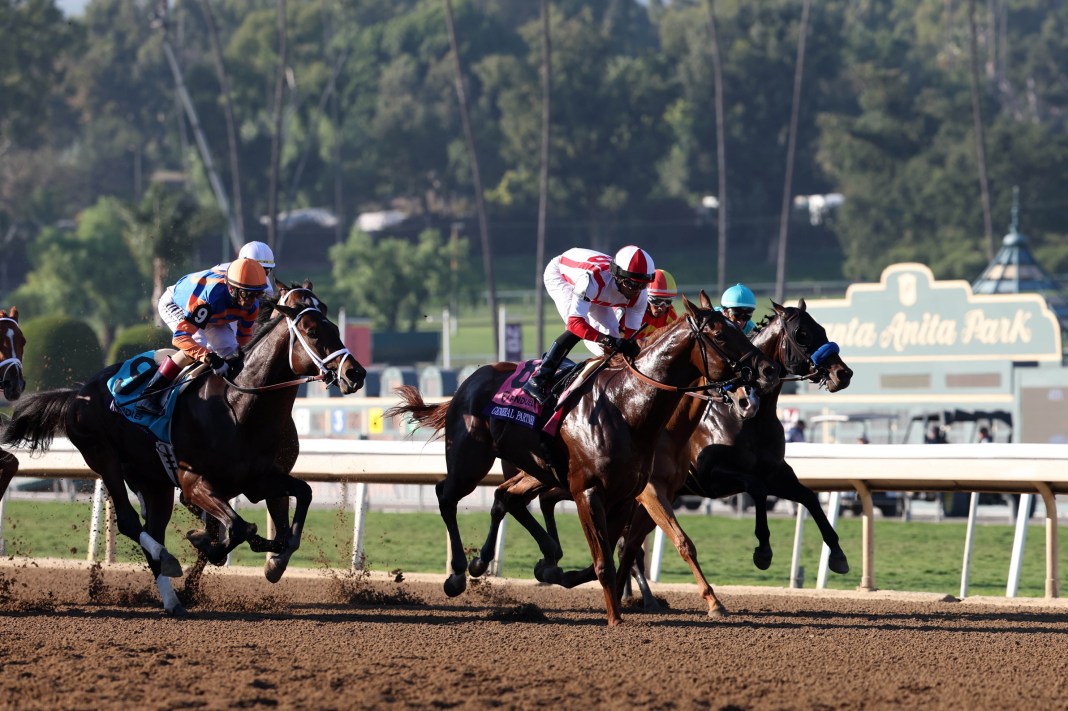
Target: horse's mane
764,323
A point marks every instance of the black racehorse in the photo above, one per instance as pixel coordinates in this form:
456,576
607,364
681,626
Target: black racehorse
229,438
605,444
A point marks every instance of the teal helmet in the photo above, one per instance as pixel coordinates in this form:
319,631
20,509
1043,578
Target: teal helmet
738,296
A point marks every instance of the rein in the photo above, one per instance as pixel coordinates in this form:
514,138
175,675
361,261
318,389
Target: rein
325,375
697,391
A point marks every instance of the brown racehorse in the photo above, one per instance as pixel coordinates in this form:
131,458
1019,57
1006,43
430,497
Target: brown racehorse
605,445
229,438
12,344
736,453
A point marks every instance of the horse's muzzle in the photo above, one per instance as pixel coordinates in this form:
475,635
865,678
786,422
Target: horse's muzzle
351,378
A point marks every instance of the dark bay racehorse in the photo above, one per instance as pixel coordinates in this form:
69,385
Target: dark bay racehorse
12,344
229,439
605,445
722,462
736,453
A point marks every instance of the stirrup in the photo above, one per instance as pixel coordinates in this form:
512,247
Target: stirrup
537,391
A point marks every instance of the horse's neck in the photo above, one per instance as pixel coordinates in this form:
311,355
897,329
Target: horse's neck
654,406
266,364
769,342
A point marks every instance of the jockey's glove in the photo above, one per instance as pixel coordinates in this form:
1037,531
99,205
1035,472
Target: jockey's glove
236,363
625,346
217,364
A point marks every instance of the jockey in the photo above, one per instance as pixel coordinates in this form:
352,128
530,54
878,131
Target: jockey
660,311
738,304
199,310
262,254
587,287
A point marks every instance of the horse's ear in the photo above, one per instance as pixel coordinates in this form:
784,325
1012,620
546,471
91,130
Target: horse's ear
778,308
14,313
307,284
689,305
706,303
801,303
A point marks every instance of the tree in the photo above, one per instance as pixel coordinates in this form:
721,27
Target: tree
87,273
391,281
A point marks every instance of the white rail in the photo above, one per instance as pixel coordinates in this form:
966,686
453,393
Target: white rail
1037,469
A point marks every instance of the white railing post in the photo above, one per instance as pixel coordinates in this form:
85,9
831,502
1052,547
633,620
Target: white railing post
969,538
94,520
360,509
1019,542
3,543
658,554
834,506
795,558
498,549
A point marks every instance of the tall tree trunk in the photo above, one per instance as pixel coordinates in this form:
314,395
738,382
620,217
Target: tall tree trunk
159,274
784,216
721,151
543,180
980,134
202,142
476,177
276,139
228,112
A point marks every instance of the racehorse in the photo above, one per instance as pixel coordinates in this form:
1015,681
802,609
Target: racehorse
723,463
733,452
12,344
605,444
229,438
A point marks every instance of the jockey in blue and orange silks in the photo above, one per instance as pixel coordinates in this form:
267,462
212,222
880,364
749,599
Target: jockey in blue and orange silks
199,309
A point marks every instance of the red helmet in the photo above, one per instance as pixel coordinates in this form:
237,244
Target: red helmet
633,263
663,286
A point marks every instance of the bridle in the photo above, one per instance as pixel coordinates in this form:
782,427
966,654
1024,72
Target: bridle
792,352
744,373
295,336
13,360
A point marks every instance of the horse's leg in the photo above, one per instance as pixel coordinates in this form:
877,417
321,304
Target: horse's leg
278,508
476,458
632,555
594,519
157,505
762,553
785,485
199,492
546,569
512,496
661,511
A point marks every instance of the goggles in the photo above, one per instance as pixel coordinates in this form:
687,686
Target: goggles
660,303
243,294
268,270
631,284
740,313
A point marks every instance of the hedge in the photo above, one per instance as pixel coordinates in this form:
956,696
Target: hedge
60,352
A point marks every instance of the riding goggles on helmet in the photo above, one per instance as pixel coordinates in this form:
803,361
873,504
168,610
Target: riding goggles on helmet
632,284
741,313
660,303
244,294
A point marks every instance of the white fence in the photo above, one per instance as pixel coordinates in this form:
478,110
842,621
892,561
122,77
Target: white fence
1029,469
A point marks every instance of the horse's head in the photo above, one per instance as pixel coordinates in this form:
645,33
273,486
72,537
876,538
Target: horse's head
803,349
717,339
321,349
743,400
12,343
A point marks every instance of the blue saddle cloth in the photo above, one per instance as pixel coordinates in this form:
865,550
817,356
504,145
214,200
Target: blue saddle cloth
126,387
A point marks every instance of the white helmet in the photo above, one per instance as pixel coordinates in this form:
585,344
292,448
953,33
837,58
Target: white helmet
258,251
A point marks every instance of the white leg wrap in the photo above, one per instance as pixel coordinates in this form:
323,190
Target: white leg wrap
167,594
149,544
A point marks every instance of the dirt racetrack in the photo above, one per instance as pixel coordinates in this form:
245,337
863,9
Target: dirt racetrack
75,637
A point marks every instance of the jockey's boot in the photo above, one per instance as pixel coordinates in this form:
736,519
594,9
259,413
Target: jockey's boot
154,397
539,386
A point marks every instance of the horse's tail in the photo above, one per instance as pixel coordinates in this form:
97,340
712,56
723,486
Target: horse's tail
38,418
423,415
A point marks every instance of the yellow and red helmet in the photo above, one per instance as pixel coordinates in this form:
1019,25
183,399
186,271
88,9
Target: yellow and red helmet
663,286
246,274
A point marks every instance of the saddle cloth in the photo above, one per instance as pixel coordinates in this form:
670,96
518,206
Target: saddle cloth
126,387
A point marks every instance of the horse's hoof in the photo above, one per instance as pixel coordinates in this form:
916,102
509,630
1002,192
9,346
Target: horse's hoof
477,567
718,612
200,540
169,565
838,564
551,574
455,584
761,560
178,612
651,606
274,567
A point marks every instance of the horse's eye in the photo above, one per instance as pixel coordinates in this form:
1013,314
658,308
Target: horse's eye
313,333
802,337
